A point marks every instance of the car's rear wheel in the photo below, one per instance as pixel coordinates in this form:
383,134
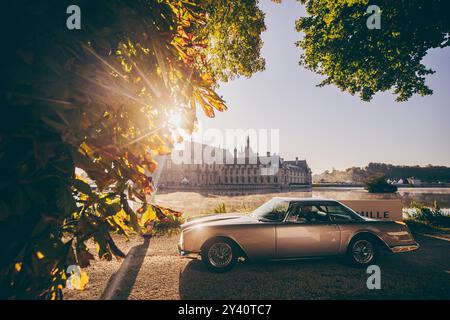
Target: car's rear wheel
362,251
219,255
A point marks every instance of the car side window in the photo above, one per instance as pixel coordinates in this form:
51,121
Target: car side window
308,213
339,213
278,212
294,212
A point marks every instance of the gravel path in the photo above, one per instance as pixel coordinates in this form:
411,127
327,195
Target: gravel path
157,277
424,274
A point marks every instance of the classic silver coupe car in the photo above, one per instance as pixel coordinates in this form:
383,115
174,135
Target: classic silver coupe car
291,228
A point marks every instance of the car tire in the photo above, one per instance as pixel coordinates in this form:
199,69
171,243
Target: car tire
362,251
219,255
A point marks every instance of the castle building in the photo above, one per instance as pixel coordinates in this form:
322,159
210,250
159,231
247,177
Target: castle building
237,172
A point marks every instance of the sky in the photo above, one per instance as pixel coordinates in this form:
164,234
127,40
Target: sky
327,127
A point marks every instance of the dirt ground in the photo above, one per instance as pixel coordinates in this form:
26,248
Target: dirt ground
161,265
159,273
100,271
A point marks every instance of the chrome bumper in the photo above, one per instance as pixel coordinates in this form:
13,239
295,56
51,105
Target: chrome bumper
405,248
188,254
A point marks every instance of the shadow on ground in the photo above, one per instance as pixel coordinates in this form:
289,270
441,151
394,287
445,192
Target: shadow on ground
303,279
122,282
417,275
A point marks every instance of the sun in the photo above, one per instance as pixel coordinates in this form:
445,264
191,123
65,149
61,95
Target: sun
176,120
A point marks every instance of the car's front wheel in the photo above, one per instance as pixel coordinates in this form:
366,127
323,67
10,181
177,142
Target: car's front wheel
362,251
219,255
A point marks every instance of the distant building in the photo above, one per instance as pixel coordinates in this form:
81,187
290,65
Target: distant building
247,171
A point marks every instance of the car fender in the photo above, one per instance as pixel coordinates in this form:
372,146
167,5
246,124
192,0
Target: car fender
380,241
226,236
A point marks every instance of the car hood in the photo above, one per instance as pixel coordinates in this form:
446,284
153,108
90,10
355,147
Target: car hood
223,218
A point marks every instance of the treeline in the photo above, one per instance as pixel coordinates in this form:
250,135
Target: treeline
428,174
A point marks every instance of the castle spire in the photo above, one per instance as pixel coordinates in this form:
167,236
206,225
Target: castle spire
247,151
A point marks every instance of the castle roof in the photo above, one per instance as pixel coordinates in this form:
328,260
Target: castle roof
297,163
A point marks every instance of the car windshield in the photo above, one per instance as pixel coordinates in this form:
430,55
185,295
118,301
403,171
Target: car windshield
273,210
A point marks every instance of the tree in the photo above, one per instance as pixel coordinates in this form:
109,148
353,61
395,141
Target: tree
338,44
99,99
233,29
379,184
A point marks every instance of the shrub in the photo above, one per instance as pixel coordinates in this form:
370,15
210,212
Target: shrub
433,216
168,226
379,184
221,208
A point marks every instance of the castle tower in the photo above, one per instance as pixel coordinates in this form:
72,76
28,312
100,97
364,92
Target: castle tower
247,151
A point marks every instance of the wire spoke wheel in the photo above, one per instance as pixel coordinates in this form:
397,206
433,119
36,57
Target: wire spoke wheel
220,254
363,251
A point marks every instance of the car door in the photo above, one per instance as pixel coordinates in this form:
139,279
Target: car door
307,234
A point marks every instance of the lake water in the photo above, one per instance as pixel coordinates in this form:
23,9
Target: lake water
193,203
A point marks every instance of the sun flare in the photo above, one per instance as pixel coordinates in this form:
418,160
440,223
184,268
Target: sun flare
175,120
